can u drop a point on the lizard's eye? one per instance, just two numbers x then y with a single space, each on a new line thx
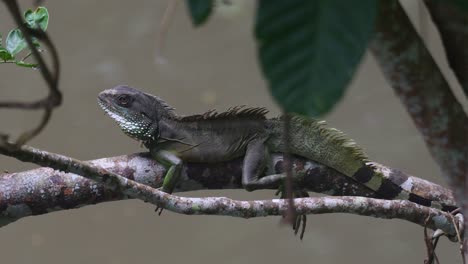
123 100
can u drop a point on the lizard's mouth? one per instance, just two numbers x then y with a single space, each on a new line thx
133 126
109 109
112 112
103 103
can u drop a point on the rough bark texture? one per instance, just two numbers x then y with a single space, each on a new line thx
452 23
45 190
416 79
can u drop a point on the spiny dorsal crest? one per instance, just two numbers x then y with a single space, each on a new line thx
165 106
333 135
236 112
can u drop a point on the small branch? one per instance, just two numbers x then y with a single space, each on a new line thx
291 215
416 79
54 98
43 190
110 180
452 23
24 105
430 246
124 188
50 77
386 209
164 28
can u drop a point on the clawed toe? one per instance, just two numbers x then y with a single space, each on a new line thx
300 221
160 209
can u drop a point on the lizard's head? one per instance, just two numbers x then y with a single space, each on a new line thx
133 110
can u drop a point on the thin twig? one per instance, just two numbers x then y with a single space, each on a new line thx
54 98
26 136
164 28
27 56
430 247
459 238
290 217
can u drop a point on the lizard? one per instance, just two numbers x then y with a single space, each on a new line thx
212 137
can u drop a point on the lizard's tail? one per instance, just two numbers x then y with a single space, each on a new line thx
313 140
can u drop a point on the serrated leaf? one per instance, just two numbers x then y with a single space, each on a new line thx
38 17
200 10
5 55
309 49
26 64
15 42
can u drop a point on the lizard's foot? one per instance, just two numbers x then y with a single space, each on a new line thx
158 209
298 219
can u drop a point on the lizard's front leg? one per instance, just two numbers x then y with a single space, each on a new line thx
173 165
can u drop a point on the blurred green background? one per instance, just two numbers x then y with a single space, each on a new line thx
105 43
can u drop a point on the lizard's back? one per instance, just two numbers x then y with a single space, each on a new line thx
213 137
311 139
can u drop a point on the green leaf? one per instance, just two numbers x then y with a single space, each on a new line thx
15 42
200 10
5 55
460 3
310 49
40 17
26 64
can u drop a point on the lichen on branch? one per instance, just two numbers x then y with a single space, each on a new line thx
114 186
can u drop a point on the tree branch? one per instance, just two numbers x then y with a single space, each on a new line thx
54 98
42 190
452 23
416 79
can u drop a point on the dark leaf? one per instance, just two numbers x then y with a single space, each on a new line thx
310 49
200 10
460 3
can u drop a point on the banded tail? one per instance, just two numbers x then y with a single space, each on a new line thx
311 139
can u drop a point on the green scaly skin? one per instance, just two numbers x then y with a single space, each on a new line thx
215 137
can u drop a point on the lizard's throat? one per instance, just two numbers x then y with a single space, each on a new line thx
138 131
135 126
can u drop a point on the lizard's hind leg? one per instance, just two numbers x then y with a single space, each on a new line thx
257 159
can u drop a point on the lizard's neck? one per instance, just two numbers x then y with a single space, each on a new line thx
161 109
165 129
169 126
